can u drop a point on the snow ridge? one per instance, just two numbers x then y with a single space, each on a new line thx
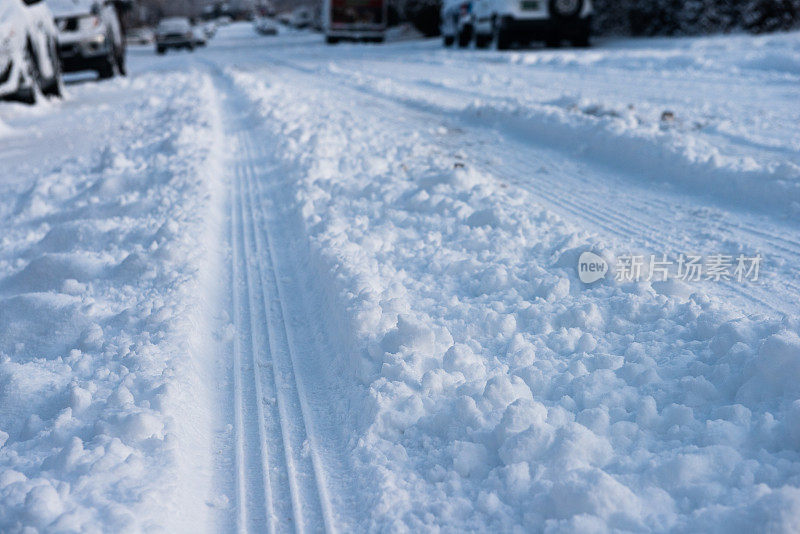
100 356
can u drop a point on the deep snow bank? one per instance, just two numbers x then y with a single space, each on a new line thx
502 393
101 383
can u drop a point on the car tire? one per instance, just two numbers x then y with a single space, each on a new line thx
465 37
161 50
331 40
108 67
448 40
106 70
502 41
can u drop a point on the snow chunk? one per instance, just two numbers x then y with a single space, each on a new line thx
775 369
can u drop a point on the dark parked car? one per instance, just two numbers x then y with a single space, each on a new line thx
174 32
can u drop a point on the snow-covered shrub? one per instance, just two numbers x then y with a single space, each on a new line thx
694 17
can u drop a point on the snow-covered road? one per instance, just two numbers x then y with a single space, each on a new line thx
274 285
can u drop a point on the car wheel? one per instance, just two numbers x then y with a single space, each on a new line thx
160 50
482 41
502 40
106 70
465 36
109 64
448 40
331 40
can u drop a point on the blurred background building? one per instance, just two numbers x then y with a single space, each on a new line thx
613 17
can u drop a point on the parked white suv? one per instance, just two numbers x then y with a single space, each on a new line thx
458 22
522 21
90 36
28 56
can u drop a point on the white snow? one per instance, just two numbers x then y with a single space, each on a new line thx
100 252
423 213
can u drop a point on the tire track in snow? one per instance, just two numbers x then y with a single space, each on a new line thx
253 484
280 476
282 340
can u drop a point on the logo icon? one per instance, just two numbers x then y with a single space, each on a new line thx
591 267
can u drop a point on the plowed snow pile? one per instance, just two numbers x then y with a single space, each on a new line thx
99 267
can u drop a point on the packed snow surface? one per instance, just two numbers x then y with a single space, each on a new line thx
274 284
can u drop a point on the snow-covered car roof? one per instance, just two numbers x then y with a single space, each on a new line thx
66 8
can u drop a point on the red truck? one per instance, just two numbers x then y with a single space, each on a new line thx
356 20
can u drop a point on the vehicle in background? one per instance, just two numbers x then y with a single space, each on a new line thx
29 61
506 22
266 26
360 20
199 35
458 22
140 36
210 29
301 18
174 32
224 20
90 36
